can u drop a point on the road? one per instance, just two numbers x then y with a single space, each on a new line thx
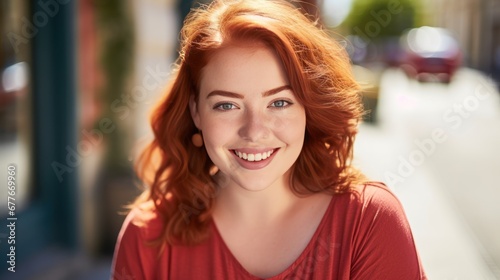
437 147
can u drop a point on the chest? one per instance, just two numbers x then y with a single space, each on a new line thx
268 250
265 253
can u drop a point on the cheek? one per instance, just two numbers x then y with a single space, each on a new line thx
280 124
290 126
214 139
216 133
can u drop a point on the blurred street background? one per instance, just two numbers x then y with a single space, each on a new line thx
78 80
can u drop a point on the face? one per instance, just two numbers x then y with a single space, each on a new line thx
253 126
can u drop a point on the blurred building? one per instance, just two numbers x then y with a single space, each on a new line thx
476 23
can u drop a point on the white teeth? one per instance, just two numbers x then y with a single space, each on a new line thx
254 157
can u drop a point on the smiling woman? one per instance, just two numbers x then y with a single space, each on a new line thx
246 111
249 175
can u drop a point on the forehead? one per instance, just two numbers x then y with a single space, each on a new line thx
240 66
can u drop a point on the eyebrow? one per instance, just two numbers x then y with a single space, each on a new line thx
240 96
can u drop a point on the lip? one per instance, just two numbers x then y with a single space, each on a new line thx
254 165
254 150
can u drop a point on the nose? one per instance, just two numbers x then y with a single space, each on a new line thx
255 126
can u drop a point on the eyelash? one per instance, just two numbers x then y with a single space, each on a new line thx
218 106
286 104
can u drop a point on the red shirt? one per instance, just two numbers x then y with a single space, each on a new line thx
364 234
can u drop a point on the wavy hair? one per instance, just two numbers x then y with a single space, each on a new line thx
179 175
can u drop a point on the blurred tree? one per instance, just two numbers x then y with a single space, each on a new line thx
379 19
379 24
115 184
116 57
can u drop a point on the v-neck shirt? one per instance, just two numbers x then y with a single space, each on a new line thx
364 234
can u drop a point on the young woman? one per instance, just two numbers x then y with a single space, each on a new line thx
249 175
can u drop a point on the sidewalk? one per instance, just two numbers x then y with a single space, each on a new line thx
447 248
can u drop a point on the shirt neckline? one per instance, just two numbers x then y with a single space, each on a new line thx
294 264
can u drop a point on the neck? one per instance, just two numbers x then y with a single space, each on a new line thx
265 206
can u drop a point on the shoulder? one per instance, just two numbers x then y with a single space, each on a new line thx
375 205
368 206
367 197
143 222
376 195
382 236
134 254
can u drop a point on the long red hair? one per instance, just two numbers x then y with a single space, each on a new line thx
178 175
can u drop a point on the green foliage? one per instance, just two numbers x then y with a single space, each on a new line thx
116 38
378 19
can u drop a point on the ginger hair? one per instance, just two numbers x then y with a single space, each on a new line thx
178 175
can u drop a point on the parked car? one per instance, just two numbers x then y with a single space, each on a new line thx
430 54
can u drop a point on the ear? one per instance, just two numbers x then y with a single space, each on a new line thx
193 108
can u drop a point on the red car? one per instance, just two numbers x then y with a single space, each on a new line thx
430 54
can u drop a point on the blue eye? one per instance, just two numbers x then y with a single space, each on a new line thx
281 104
224 106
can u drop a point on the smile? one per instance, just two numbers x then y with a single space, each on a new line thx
253 156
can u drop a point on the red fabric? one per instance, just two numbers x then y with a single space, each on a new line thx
363 235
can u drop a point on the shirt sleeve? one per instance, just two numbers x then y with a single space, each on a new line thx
384 247
133 257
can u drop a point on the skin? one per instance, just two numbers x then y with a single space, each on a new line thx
236 111
244 105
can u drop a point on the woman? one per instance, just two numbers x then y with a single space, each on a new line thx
249 174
